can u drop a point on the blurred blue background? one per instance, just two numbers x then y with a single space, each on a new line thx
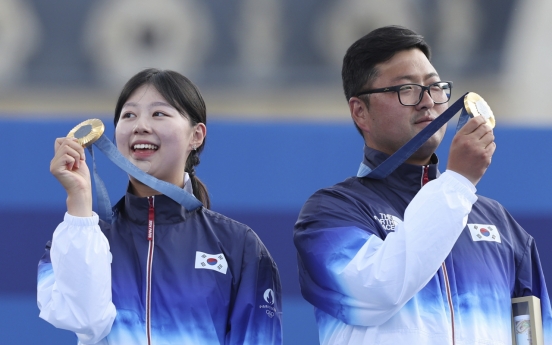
278 127
257 173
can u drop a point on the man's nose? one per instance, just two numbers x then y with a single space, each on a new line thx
426 101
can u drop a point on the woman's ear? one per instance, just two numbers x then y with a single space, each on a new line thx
200 131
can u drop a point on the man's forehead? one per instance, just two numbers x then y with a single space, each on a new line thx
408 66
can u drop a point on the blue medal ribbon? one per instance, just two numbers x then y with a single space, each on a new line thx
179 195
402 154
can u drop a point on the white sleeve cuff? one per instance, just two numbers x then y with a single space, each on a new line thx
460 178
81 221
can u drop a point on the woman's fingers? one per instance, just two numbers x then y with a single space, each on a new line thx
68 152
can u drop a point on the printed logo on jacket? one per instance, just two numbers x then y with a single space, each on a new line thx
269 299
484 232
215 262
388 221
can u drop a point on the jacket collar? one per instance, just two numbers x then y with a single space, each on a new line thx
167 211
406 176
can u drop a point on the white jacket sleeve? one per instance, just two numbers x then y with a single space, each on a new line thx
75 294
385 274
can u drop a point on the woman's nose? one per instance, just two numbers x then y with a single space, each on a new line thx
142 125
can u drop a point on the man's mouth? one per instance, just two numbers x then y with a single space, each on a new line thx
425 119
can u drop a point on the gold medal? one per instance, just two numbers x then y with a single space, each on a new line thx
476 106
87 132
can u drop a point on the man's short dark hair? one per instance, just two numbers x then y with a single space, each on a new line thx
376 47
380 45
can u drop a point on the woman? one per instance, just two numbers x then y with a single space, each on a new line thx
159 273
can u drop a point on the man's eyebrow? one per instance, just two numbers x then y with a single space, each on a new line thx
431 75
411 78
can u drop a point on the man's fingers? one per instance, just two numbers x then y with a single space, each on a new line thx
472 149
487 138
483 130
472 125
492 147
478 131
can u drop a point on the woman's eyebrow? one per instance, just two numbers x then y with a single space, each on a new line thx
151 105
163 104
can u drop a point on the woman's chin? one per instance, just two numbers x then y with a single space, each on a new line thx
143 165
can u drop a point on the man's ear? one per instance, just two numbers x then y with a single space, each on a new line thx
359 113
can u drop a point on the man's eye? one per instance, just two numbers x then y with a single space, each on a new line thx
407 88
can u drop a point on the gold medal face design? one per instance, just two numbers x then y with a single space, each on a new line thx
87 132
476 106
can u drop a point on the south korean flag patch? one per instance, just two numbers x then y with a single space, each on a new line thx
215 262
484 232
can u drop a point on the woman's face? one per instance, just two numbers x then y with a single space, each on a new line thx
155 137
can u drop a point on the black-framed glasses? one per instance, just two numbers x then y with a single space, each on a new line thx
412 94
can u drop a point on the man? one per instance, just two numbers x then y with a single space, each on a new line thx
416 257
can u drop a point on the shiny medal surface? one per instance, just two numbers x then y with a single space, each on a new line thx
87 132
475 105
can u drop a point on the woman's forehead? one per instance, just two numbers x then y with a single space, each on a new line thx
147 95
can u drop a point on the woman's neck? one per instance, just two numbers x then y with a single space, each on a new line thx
141 190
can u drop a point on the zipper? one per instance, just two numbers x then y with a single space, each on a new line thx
150 236
449 299
425 175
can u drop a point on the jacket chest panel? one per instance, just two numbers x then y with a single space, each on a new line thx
170 269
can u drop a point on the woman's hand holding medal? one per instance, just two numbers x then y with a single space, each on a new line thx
69 167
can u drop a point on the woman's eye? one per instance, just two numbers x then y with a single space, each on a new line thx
158 113
127 115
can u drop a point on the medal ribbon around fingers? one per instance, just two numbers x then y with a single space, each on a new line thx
89 133
472 105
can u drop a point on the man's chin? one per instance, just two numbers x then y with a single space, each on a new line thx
424 153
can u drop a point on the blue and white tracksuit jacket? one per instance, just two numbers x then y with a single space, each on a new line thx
185 278
391 262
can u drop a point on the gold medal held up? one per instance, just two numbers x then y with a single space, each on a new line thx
87 132
476 106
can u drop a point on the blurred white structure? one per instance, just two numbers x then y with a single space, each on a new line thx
528 70
347 21
452 24
457 23
263 56
259 35
19 38
126 36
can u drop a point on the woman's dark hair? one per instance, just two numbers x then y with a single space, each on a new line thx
380 45
185 97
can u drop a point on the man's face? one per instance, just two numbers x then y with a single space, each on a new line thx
386 123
